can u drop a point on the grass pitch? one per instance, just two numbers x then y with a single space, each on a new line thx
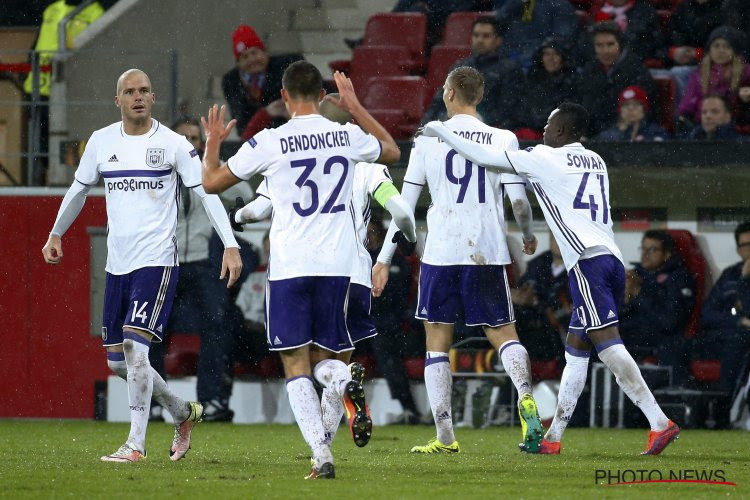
45 459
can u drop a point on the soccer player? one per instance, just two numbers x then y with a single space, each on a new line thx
143 164
371 182
572 186
308 165
465 253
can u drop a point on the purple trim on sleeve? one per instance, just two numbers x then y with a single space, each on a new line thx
432 361
577 352
607 343
508 344
298 376
126 334
115 356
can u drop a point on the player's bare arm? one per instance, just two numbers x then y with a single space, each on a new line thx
477 153
348 100
216 177
52 250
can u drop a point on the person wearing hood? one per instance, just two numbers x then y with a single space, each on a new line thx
551 80
722 72
659 297
613 69
632 122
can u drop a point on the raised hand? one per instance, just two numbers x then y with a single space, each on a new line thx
213 127
347 97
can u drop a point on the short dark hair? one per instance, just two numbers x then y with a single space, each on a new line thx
723 99
185 120
743 227
469 84
302 80
607 28
667 242
491 20
574 117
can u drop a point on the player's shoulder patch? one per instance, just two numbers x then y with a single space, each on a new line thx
529 149
193 153
252 142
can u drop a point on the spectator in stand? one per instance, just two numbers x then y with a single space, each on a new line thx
736 13
603 79
388 312
689 28
543 305
722 72
658 300
716 122
253 88
201 302
502 78
632 123
527 23
639 23
725 317
551 80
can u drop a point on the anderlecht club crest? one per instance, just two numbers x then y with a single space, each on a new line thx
154 157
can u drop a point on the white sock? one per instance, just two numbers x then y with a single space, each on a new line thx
176 406
630 380
333 375
439 383
571 386
140 387
516 362
306 407
332 409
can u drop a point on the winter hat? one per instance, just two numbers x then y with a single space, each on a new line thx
633 92
733 36
243 38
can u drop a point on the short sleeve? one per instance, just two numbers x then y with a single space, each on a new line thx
528 161
253 157
88 168
263 189
366 147
415 171
511 144
188 163
376 174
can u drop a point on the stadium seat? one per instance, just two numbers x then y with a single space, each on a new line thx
545 370
181 359
695 263
370 364
414 368
665 102
376 61
268 366
664 16
583 19
442 58
405 94
582 4
405 29
457 29
706 370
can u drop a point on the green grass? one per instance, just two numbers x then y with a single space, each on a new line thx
43 459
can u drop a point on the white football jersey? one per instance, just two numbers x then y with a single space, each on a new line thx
141 186
309 167
466 220
572 186
367 178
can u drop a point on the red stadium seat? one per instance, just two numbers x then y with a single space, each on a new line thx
389 96
545 370
404 29
583 19
665 102
664 16
457 29
376 61
695 263
706 370
414 368
442 58
181 359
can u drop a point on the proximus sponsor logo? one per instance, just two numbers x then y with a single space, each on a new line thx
133 185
